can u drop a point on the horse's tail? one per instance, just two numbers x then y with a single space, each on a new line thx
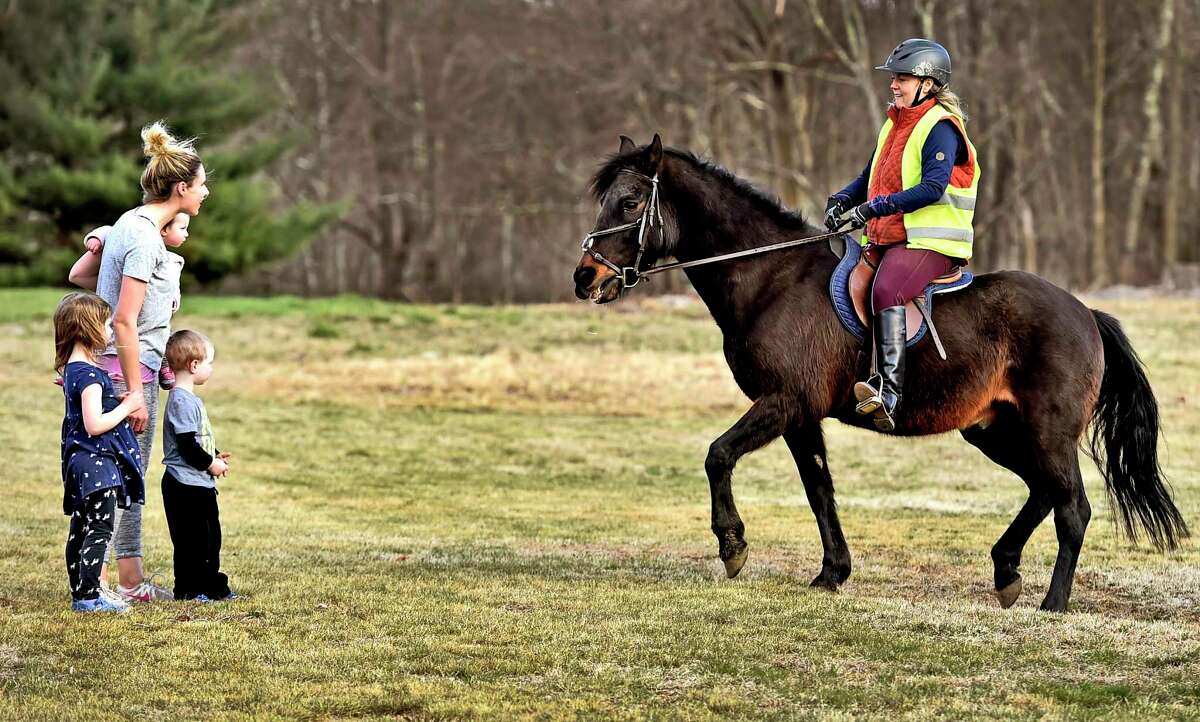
1124 442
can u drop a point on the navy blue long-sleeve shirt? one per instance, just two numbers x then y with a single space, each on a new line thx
935 174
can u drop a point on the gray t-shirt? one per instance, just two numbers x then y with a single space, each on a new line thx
186 414
135 248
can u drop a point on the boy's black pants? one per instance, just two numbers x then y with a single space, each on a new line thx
195 529
87 542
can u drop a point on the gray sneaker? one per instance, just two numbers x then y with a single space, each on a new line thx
147 591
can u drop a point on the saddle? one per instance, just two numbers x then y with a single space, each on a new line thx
850 292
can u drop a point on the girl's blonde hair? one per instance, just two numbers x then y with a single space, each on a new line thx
81 317
171 161
949 100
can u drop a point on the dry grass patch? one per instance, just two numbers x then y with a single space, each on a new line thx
601 383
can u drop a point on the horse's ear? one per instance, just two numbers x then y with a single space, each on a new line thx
627 145
656 153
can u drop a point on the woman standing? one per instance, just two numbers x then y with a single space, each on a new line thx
136 281
916 198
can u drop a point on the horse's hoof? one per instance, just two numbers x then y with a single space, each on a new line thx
823 582
1008 595
734 564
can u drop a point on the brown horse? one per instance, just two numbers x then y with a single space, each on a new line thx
1029 366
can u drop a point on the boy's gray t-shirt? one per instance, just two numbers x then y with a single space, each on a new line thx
135 248
186 414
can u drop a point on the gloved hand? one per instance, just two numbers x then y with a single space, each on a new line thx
834 209
874 208
860 215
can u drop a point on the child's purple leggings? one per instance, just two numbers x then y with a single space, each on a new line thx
904 273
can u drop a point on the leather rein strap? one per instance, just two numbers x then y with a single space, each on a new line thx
740 254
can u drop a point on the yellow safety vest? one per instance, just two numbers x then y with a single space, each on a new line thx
944 225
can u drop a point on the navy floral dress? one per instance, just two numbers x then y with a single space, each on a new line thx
111 460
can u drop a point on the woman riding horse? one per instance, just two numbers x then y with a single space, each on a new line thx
1030 367
920 183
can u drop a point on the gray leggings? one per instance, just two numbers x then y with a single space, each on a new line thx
127 534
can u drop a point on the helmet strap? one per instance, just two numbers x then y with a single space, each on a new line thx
933 90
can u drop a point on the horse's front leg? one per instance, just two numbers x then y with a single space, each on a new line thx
807 444
762 424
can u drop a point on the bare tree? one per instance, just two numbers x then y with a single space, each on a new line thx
1151 141
854 52
1099 244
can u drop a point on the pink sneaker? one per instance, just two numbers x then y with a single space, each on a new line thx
166 377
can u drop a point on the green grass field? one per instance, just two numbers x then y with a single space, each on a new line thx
496 513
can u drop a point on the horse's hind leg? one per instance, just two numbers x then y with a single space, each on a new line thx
1054 482
1006 553
762 424
1071 515
807 445
1006 443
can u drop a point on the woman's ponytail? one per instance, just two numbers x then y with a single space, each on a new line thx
949 100
171 161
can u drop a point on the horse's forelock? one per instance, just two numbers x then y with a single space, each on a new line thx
609 170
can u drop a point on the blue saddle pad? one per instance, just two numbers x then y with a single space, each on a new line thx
839 293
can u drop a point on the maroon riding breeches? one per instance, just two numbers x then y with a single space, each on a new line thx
904 273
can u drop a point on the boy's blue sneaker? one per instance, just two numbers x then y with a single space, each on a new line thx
99 604
207 599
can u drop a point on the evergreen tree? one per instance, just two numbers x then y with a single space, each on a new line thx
81 78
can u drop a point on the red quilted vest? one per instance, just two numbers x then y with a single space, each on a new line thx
886 172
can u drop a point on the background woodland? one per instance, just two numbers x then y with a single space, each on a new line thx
437 150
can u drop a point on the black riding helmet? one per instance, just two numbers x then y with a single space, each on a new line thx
920 57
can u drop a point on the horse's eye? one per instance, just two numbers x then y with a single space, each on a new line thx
629 204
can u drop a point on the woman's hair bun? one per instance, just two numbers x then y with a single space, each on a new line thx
156 139
171 161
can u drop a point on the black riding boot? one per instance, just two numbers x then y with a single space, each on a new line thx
880 395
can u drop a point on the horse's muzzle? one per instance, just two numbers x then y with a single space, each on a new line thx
583 281
595 282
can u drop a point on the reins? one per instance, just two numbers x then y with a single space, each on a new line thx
740 254
631 275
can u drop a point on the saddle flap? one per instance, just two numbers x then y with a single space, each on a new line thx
860 295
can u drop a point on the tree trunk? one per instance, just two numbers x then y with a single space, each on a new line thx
1023 218
313 267
1099 253
781 117
1151 142
924 11
1175 180
507 265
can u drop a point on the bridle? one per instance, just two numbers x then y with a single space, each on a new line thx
630 276
651 215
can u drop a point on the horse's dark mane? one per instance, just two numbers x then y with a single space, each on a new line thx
766 202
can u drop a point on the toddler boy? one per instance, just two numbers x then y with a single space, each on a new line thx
189 485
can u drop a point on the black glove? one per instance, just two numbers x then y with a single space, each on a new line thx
834 210
860 215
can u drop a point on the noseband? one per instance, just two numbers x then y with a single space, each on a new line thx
651 215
